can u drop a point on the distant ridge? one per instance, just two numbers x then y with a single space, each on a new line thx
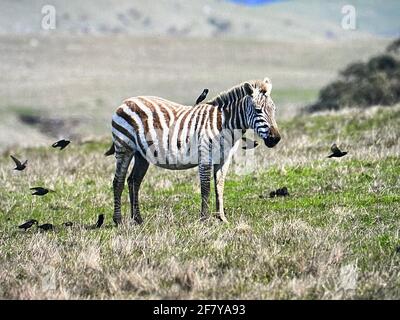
259 19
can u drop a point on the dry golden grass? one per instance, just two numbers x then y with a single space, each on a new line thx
334 237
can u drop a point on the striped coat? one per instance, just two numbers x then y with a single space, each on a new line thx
173 136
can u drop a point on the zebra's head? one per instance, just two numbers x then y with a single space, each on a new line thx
261 111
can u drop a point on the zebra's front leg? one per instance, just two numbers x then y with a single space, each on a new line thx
123 159
220 171
205 177
134 181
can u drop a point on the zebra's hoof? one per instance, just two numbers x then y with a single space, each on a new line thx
222 218
117 220
137 220
204 218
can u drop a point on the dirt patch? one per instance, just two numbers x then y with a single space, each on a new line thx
51 126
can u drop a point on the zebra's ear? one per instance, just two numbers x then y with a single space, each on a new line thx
248 89
268 82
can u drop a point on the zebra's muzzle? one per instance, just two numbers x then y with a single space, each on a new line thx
272 141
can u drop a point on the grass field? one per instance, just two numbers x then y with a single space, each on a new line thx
83 79
334 237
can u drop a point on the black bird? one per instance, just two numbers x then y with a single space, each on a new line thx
28 224
39 191
46 227
67 224
282 192
202 96
249 144
336 153
19 165
62 144
98 224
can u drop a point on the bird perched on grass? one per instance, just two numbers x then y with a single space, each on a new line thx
98 224
67 224
202 96
336 152
19 165
28 224
280 192
39 191
62 144
249 144
46 227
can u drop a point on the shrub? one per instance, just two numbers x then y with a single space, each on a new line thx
360 84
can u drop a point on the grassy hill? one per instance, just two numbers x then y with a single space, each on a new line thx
335 236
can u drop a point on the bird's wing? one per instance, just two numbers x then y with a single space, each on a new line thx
335 148
17 162
55 144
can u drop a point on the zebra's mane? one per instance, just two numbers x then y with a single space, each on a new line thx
233 94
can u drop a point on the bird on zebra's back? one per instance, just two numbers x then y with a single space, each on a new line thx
19 165
28 224
40 191
153 130
62 144
202 96
336 152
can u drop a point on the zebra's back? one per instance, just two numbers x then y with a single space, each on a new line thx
166 133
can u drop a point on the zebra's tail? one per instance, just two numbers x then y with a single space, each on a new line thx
110 151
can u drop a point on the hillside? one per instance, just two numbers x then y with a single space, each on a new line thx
334 237
303 19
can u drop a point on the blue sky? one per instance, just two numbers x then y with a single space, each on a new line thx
254 2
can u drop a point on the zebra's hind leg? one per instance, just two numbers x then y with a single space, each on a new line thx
205 177
123 158
134 181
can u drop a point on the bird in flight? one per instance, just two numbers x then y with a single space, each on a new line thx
46 227
19 165
336 152
249 144
28 224
39 191
202 96
62 144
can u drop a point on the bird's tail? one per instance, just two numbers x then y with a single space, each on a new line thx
110 151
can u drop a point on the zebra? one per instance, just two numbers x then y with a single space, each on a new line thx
152 130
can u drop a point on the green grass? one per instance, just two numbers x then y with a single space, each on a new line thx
334 237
